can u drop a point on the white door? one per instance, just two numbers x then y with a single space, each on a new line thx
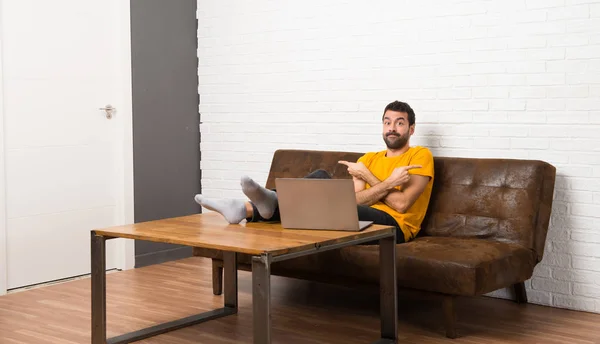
68 167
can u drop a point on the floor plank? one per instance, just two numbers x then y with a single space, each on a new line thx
303 312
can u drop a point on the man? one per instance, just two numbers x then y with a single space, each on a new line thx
392 187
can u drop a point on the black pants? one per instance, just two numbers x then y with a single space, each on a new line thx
365 213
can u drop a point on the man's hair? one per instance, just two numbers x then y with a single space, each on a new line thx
400 107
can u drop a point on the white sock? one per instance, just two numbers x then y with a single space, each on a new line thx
233 210
265 200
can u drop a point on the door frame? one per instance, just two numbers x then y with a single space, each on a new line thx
125 200
3 246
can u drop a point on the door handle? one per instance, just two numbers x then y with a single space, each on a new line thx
109 110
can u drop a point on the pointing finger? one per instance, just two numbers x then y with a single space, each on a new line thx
344 163
412 167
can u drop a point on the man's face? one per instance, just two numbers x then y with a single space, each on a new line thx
396 129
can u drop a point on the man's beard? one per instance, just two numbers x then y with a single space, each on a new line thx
395 142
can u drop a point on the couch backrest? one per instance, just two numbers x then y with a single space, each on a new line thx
497 199
299 163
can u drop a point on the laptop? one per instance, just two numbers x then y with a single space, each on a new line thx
322 204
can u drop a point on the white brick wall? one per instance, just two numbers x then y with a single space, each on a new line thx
515 79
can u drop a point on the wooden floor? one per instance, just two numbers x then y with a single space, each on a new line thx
303 312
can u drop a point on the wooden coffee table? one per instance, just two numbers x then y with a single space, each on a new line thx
266 242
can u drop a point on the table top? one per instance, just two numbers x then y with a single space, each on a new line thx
211 231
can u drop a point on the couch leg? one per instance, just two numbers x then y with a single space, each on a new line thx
217 277
520 292
450 316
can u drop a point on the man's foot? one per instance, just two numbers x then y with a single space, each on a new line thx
233 210
265 200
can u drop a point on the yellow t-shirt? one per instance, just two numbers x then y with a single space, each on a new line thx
382 166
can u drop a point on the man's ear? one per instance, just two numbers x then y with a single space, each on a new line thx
412 129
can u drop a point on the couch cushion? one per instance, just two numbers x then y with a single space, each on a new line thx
463 266
446 265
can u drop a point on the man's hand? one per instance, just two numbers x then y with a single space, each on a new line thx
400 175
357 169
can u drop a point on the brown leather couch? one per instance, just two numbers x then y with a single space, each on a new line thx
485 229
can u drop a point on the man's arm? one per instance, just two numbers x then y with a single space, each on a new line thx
361 176
359 184
369 178
373 194
402 200
412 185
384 191
395 198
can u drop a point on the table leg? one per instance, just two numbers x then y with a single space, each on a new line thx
98 259
99 300
230 280
261 298
388 290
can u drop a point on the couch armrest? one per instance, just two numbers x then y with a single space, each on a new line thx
544 211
